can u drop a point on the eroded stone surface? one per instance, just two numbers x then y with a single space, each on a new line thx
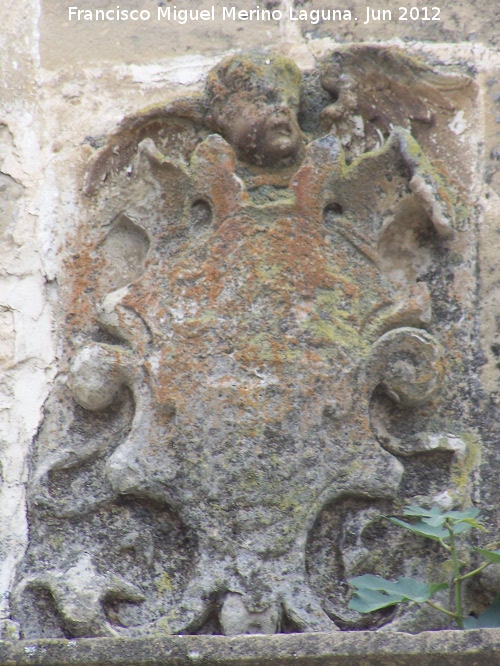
455 648
246 401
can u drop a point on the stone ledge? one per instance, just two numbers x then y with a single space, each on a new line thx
443 648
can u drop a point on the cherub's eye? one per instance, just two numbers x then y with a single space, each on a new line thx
270 94
250 88
264 95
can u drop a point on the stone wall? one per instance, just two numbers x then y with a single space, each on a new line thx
68 83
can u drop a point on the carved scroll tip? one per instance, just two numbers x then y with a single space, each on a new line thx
443 222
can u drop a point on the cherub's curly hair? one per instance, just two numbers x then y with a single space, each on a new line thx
250 71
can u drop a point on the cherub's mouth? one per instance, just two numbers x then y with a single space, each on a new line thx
280 126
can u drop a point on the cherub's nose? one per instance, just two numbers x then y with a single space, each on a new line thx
282 107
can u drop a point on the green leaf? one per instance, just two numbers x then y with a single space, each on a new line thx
373 592
434 523
489 555
405 587
462 526
471 522
367 601
437 587
421 528
436 516
463 515
414 510
490 618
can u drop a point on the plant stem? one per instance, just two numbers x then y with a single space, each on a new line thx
444 545
441 609
457 581
473 573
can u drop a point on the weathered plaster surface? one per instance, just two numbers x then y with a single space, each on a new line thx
27 343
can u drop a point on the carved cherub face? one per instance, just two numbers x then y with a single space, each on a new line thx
254 101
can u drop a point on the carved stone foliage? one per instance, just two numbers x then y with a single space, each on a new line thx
268 325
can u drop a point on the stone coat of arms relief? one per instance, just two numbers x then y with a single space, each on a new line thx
268 345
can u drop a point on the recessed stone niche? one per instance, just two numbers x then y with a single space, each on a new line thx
269 328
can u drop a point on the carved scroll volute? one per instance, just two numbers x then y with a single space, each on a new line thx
409 364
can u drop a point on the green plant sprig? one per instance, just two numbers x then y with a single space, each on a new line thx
373 593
